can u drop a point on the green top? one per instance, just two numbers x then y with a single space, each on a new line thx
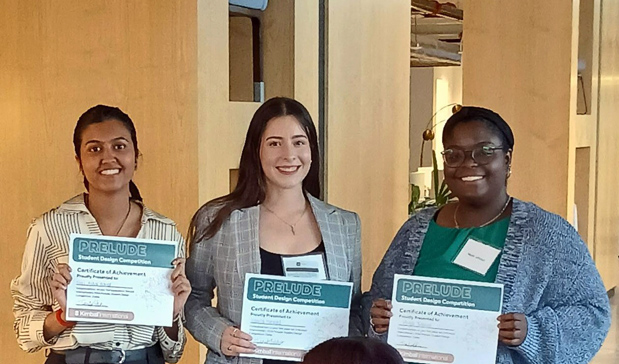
441 246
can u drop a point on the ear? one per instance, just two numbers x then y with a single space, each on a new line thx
138 155
508 157
79 164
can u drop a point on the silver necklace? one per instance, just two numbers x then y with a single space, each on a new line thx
487 222
292 226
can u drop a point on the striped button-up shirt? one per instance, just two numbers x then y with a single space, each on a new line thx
46 246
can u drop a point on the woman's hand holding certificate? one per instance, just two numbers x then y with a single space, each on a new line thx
180 286
235 342
380 314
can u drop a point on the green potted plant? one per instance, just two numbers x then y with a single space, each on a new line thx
441 196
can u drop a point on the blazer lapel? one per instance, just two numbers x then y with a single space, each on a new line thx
245 230
334 237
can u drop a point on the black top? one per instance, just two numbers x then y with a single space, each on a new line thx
272 264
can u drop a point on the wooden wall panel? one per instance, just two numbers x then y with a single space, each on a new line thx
517 60
368 117
306 54
241 84
279 46
219 119
607 209
56 61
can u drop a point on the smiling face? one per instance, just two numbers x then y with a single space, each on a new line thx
472 182
285 153
107 157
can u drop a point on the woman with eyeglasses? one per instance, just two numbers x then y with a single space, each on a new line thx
555 307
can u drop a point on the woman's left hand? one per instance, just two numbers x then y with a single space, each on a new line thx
512 328
180 286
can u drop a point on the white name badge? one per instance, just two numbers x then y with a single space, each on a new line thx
310 266
477 256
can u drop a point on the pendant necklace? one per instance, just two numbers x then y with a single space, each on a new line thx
292 226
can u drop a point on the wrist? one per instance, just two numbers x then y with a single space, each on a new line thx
61 319
179 317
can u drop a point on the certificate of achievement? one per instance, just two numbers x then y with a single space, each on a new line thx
120 280
445 321
286 317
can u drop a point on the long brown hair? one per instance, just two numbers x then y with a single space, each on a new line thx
250 189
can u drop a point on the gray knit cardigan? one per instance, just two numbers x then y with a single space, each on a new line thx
548 275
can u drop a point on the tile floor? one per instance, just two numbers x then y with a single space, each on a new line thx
609 353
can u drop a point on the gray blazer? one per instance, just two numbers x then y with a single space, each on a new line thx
222 262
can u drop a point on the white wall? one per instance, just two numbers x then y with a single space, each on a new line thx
431 89
447 90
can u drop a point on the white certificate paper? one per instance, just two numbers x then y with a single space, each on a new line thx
120 280
286 317
445 321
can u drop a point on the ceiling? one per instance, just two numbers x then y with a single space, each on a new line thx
436 32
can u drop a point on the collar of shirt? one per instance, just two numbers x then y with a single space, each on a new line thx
77 205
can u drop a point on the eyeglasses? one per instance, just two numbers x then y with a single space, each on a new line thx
481 155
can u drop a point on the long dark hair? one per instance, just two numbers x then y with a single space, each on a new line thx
99 114
250 188
353 350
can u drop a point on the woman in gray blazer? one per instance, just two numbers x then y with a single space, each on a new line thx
274 211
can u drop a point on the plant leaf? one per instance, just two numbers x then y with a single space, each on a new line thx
415 195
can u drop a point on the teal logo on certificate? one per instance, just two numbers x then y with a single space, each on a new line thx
439 320
120 280
288 316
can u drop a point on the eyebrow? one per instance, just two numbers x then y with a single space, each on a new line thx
293 137
474 145
113 140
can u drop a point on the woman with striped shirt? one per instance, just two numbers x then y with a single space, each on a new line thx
106 150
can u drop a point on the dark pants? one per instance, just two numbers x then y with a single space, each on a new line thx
153 357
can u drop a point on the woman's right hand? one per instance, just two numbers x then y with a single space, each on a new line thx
380 314
59 282
235 341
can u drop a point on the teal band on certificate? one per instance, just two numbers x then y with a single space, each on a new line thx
298 292
100 250
449 295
